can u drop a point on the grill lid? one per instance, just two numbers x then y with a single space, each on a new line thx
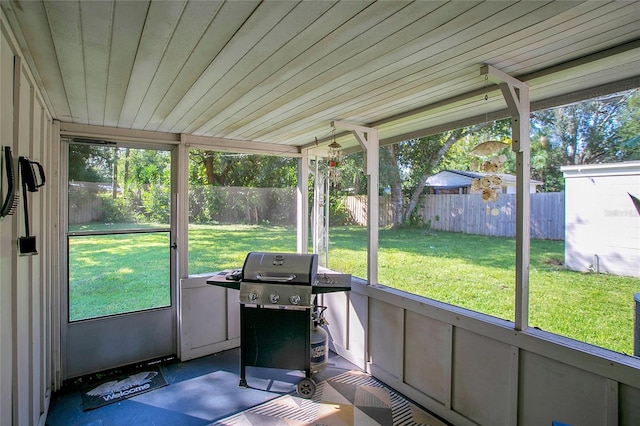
283 268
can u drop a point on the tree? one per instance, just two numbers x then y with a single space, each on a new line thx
231 169
90 163
630 128
600 130
406 166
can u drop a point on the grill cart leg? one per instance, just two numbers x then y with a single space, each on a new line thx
243 343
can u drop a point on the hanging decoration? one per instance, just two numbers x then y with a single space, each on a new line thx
334 160
490 162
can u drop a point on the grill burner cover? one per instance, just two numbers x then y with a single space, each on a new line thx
278 279
293 268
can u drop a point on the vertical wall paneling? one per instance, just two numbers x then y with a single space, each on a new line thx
41 156
7 230
358 320
26 357
612 402
478 365
54 224
629 409
385 343
22 284
205 318
512 404
233 315
337 318
427 356
556 391
35 215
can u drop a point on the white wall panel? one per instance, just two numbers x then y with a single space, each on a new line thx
205 310
554 391
481 378
233 315
337 317
492 374
358 320
427 356
24 285
7 230
629 406
386 340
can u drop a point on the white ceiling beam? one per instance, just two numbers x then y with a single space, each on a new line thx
236 145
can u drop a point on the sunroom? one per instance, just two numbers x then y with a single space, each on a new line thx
267 87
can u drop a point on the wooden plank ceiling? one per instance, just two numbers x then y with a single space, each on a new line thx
278 72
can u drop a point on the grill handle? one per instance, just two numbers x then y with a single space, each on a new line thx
261 277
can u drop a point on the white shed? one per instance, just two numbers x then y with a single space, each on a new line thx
459 181
602 226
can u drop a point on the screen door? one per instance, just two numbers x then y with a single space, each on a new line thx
120 294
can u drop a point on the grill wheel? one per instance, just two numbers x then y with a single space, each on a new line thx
306 388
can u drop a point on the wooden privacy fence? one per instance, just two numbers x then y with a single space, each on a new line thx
467 213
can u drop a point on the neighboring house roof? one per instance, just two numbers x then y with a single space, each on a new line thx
450 179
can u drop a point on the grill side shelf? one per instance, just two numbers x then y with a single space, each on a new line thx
222 279
329 288
331 282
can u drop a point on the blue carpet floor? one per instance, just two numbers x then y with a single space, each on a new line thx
199 392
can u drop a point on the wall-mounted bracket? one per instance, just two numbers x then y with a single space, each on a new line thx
516 95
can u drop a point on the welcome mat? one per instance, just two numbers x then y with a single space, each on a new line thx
351 398
115 388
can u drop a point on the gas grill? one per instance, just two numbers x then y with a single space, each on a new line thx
279 314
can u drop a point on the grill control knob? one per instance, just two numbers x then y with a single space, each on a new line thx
295 299
252 297
274 297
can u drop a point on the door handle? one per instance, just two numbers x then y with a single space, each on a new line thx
174 246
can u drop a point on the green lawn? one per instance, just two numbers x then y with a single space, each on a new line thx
478 273
113 274
471 271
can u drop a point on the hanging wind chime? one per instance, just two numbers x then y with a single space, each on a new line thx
490 163
334 160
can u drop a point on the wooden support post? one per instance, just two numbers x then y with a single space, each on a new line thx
516 95
302 204
368 139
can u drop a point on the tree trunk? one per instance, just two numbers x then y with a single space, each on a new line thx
114 178
453 137
208 167
397 200
125 185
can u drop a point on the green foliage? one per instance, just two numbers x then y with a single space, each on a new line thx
353 179
339 214
255 171
90 163
220 204
599 130
115 210
156 201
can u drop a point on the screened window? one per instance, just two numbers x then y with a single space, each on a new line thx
239 203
